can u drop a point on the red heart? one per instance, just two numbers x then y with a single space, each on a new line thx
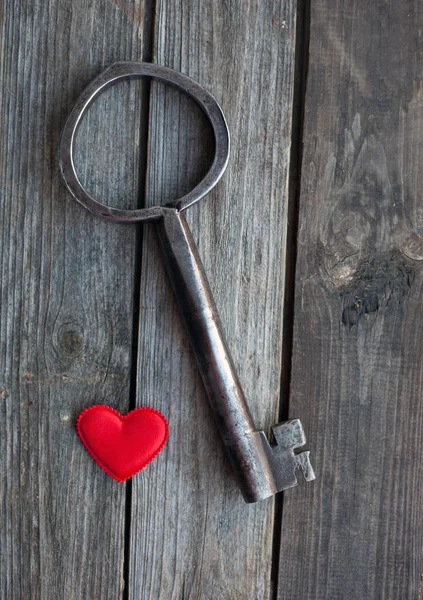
122 445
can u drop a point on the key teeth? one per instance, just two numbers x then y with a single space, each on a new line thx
289 434
302 462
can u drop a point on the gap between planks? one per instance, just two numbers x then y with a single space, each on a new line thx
302 39
147 56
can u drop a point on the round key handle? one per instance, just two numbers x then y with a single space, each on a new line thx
111 76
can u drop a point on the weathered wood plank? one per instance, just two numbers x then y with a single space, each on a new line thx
192 536
66 297
358 342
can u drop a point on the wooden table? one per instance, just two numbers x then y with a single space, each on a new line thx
313 243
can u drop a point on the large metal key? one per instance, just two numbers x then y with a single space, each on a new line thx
261 469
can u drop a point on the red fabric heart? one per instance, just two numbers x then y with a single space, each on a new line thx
122 445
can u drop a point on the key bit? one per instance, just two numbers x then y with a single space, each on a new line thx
275 464
289 436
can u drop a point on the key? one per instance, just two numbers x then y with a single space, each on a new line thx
262 469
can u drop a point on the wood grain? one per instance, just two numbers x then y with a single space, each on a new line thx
357 361
192 536
66 297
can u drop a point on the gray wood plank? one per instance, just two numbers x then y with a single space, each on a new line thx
192 536
357 360
66 297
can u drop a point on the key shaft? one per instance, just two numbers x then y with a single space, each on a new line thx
261 470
